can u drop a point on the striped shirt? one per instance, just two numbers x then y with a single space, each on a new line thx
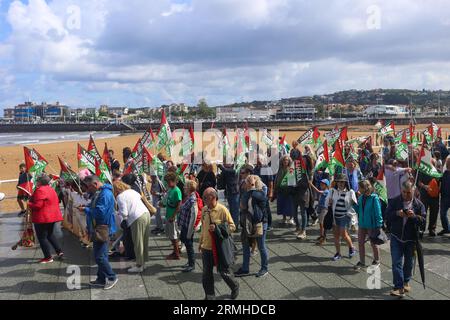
340 210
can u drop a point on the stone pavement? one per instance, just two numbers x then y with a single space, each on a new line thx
298 270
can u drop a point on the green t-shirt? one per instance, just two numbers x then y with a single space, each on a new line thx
174 196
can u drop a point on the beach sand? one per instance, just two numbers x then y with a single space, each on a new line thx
12 156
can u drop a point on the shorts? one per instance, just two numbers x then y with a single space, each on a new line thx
322 213
343 222
172 231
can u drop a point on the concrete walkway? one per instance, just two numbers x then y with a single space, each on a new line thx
298 270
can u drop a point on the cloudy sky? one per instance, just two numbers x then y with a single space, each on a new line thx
146 53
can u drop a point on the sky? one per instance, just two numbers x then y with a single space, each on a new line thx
147 53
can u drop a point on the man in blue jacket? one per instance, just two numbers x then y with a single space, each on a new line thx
406 214
101 212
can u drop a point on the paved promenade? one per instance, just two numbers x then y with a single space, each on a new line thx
298 270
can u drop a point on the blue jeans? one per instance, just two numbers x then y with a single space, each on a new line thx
101 258
303 214
445 205
261 241
233 204
401 270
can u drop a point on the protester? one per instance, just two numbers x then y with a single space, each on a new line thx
283 192
429 196
406 214
101 225
206 178
24 182
231 179
156 190
445 199
322 208
264 171
370 219
214 214
172 202
342 200
134 212
115 164
302 197
186 222
254 201
295 153
45 213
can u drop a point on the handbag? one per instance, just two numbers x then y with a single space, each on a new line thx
151 209
377 236
101 233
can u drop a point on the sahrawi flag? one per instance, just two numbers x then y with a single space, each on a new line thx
432 133
424 163
310 137
380 185
85 159
337 159
66 173
267 138
35 165
152 163
187 144
165 139
401 151
240 151
284 147
148 139
324 158
388 129
102 171
336 134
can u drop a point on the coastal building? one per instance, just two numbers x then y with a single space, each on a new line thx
29 111
386 110
117 111
292 111
244 113
8 114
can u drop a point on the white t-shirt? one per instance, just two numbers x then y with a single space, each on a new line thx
131 206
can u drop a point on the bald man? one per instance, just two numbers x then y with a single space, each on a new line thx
213 214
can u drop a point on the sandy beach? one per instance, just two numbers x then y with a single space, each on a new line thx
12 156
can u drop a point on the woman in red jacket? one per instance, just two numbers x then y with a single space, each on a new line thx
45 213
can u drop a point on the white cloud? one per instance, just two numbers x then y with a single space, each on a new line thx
227 49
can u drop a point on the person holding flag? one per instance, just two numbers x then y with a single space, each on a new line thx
45 213
24 188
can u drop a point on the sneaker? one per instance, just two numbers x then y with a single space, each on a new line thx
262 273
188 269
398 293
96 283
432 233
337 257
301 235
46 260
443 232
375 263
351 252
60 255
291 222
183 248
359 266
406 287
110 284
235 292
136 269
241 273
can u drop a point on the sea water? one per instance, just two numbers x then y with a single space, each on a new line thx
10 139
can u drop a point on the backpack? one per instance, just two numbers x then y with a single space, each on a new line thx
198 220
258 209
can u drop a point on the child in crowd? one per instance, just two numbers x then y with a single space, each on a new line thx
322 209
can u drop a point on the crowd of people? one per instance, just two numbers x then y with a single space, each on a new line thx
115 219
